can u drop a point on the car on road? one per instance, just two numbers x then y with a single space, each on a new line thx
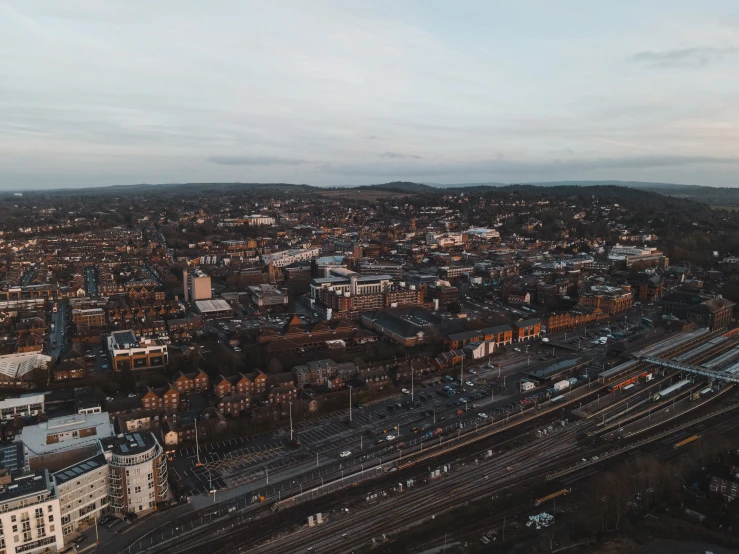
472 371
469 384
517 350
104 366
390 438
462 400
482 415
346 454
405 391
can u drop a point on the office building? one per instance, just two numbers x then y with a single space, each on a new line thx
138 472
267 295
15 369
196 284
128 352
63 441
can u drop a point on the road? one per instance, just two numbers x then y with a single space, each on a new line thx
91 286
59 336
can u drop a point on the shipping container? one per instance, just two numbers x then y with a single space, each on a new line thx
669 390
561 385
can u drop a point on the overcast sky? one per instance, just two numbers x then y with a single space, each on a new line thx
101 92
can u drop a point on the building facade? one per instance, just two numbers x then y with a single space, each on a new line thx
82 490
138 472
30 517
128 352
196 284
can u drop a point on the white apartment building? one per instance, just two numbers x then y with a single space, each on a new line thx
287 257
30 516
138 472
82 490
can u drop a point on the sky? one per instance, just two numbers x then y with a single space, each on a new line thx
337 92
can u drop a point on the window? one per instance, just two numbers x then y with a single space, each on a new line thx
51 528
51 517
13 519
15 528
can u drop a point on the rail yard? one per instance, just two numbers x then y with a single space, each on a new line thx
552 440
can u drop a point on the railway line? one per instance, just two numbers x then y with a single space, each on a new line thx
474 476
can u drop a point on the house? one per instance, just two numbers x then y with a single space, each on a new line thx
189 382
526 329
166 398
315 373
234 404
374 377
68 370
727 488
519 298
449 359
250 384
282 395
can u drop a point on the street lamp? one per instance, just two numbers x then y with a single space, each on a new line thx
350 403
291 421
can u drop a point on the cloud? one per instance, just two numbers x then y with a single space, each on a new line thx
254 160
698 56
399 156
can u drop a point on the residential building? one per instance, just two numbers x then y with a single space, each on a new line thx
138 472
89 318
289 257
27 405
192 382
30 516
128 352
197 285
82 490
526 329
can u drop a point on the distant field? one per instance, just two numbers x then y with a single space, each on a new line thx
725 207
367 195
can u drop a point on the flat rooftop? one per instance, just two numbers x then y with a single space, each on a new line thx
123 339
25 485
129 444
74 471
50 436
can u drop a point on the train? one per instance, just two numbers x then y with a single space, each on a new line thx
686 441
630 381
669 390
540 501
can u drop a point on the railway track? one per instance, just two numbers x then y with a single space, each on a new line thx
426 500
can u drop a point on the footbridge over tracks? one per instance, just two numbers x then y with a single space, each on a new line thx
678 366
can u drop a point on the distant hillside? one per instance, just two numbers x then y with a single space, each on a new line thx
714 196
